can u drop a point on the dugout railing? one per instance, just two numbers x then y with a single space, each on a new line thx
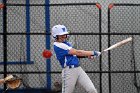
25 32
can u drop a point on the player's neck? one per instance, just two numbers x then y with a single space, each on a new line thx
60 40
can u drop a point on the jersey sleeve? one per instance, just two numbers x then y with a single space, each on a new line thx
61 48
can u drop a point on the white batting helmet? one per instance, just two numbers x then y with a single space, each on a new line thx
59 30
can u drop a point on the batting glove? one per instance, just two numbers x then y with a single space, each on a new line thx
96 53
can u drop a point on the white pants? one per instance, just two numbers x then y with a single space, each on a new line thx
71 76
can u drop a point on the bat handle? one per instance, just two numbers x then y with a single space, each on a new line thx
102 52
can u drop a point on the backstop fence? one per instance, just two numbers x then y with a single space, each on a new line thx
25 33
124 22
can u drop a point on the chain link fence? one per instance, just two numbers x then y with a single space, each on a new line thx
26 39
1 37
124 22
115 72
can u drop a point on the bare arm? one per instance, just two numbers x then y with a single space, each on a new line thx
80 52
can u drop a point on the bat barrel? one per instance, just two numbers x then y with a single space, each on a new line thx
119 44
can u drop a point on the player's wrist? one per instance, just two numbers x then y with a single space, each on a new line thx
96 53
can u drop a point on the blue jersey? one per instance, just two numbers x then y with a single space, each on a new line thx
63 56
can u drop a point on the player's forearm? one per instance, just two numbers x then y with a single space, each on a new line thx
81 52
84 53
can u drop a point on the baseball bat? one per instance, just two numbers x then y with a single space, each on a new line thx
118 44
123 42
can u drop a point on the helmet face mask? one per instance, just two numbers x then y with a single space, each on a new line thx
59 30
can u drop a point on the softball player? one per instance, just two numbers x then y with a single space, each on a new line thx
72 73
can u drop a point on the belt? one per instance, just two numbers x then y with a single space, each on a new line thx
72 66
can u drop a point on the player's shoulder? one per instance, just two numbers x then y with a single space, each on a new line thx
61 45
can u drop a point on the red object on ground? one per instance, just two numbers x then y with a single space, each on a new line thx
47 53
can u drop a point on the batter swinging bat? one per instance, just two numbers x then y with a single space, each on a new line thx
118 44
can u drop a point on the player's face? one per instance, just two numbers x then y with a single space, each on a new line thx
62 38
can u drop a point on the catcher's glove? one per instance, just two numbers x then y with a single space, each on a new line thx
13 81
